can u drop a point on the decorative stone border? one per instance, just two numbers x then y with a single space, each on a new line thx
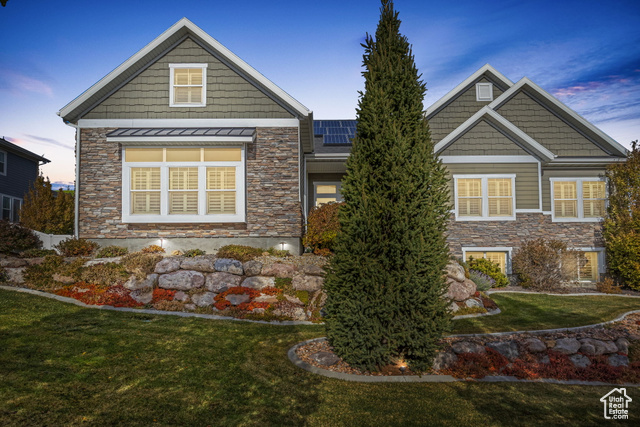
293 357
578 294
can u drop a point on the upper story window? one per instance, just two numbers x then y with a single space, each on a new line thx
188 85
484 91
183 184
578 199
484 197
3 163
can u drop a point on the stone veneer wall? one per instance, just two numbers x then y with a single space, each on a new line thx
527 226
272 188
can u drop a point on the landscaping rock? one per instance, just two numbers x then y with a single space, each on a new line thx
580 360
63 279
623 345
302 282
567 346
279 270
312 270
508 349
460 291
220 282
198 263
287 309
610 347
453 307
267 298
325 358
237 299
294 300
204 299
181 296
252 268
142 295
600 347
258 282
533 345
100 261
259 310
227 265
455 271
618 360
134 284
182 280
15 275
168 265
588 349
472 302
443 360
467 347
190 307
13 262
544 360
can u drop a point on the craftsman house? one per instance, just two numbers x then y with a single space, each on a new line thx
186 145
19 169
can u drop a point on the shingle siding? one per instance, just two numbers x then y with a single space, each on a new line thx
547 128
458 111
229 95
483 140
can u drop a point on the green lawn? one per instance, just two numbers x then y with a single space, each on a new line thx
64 365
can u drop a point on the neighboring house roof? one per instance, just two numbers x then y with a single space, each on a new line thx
15 149
162 44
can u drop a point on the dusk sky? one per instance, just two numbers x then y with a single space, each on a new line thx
586 53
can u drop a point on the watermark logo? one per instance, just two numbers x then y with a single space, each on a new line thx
616 404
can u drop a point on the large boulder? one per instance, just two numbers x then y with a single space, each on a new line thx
534 345
258 282
460 291
455 271
134 283
198 263
13 262
142 295
467 347
237 299
279 270
252 268
182 280
220 282
508 349
168 265
580 360
227 265
15 275
596 347
567 346
444 359
303 282
204 299
312 270
325 358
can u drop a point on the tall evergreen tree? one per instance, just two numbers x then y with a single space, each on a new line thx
46 211
385 284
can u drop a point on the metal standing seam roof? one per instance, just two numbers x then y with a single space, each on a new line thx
163 132
335 132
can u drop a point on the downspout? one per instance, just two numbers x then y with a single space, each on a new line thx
76 220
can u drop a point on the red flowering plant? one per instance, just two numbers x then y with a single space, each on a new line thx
221 302
89 293
162 295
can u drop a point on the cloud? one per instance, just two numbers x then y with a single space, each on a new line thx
49 141
19 83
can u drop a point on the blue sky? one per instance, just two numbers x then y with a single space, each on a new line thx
586 53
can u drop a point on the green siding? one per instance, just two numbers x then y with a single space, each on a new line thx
483 140
229 95
546 128
563 173
458 111
526 179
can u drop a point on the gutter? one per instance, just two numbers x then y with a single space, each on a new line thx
76 220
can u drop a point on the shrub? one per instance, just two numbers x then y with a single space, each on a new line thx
193 253
111 251
153 249
47 211
15 238
76 247
489 268
140 263
108 274
239 252
165 305
40 276
608 286
322 226
37 253
3 275
482 280
281 253
539 263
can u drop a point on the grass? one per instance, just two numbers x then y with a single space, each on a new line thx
65 365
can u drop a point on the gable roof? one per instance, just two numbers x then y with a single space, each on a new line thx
163 43
16 149
486 70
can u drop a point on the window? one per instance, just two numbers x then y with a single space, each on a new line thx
3 163
488 197
584 266
10 208
578 199
498 256
326 192
204 184
188 85
484 92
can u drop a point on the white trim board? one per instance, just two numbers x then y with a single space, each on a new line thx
195 123
488 159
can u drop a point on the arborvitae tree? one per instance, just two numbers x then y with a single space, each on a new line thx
47 212
386 283
622 222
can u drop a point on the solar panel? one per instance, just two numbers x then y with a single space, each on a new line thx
335 132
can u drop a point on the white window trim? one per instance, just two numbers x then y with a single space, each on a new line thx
506 249
3 172
13 200
202 216
316 194
580 208
485 198
172 67
481 85
602 267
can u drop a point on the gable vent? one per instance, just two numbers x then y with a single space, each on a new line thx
484 92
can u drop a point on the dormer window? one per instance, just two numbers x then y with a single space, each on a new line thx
188 85
484 92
